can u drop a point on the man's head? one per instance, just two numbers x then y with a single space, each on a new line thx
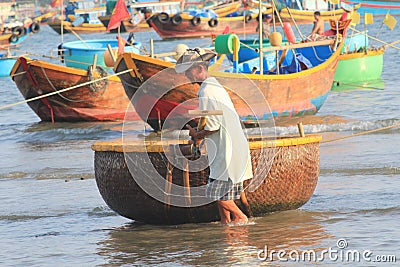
194 63
317 14
267 17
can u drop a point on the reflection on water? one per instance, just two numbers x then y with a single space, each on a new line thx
214 244
378 84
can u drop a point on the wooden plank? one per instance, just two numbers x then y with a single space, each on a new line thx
197 112
167 54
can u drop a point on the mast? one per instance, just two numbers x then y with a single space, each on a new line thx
260 30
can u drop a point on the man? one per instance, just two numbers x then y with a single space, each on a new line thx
266 31
318 28
227 147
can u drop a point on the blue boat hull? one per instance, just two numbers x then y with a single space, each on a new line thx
80 54
6 65
378 8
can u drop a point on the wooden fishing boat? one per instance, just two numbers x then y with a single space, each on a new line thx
256 4
360 66
140 12
307 16
123 168
8 42
292 94
377 8
103 100
225 9
185 26
127 25
304 12
358 62
138 21
44 18
7 38
81 17
68 27
17 34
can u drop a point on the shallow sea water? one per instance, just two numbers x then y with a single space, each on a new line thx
51 212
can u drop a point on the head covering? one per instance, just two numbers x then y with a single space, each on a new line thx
266 16
192 56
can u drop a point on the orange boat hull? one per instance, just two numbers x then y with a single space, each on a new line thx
101 101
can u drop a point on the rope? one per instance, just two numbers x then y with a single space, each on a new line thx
63 90
80 38
144 51
20 73
249 47
55 89
361 133
316 55
40 55
338 83
277 13
376 39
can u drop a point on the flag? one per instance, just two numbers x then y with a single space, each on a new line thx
355 18
390 21
368 18
120 13
121 45
55 3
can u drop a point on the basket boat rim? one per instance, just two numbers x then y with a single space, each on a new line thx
255 142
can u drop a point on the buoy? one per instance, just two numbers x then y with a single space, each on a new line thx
275 38
213 23
224 43
176 19
179 49
163 17
13 38
287 28
19 31
108 58
195 20
35 27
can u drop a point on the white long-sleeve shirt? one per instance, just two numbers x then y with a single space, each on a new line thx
227 148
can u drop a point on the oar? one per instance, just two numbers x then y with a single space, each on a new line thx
376 39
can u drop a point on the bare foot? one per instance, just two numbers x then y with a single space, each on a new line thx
242 219
225 222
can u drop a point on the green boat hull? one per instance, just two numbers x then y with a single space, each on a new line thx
359 67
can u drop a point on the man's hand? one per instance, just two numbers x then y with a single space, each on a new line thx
195 135
198 135
192 131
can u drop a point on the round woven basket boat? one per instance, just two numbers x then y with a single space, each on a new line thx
289 184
